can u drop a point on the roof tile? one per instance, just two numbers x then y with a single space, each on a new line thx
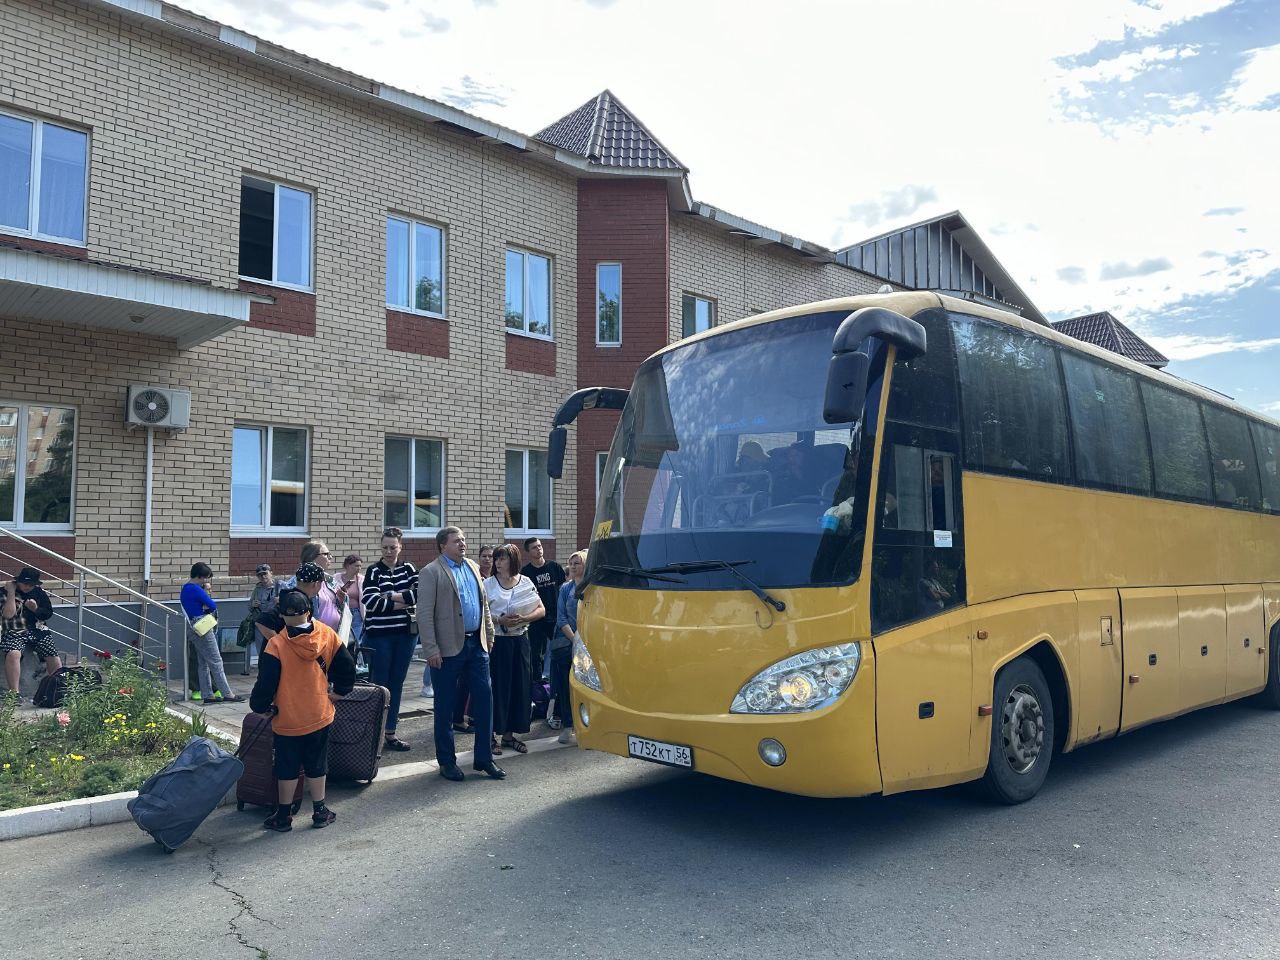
609 135
1104 330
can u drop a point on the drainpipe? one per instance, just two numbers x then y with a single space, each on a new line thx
146 536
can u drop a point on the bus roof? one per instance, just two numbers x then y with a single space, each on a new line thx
909 303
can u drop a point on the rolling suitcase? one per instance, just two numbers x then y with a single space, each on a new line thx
174 801
359 725
258 785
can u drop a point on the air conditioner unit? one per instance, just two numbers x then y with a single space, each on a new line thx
162 407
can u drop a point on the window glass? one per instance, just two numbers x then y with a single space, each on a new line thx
293 240
1266 440
1107 425
539 492
288 477
257 228
609 303
1178 444
515 490
8 461
428 483
397 272
15 172
63 155
538 299
697 314
515 290
923 389
1235 472
246 477
50 437
1013 409
395 482
428 275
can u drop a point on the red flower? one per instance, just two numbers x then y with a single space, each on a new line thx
161 665
126 691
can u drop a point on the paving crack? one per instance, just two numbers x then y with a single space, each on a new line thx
239 899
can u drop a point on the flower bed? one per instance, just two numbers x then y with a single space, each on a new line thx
105 739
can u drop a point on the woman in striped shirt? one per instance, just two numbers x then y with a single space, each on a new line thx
390 595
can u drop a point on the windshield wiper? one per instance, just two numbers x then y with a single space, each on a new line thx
651 574
693 566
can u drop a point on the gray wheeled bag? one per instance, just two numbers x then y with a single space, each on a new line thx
176 800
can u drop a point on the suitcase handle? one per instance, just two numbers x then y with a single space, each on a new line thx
240 750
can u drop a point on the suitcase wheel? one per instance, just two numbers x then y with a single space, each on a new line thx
240 806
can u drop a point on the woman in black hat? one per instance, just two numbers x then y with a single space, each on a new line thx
24 611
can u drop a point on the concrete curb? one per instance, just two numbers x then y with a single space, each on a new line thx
113 807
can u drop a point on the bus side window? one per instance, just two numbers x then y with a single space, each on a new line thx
919 490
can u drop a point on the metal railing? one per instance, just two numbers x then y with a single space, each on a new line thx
96 613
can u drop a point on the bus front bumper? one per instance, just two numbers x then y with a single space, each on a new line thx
829 752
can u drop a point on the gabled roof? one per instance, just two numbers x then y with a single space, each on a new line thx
885 255
609 135
1104 330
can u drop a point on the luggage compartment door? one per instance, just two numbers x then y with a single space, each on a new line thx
1098 691
1246 640
1149 636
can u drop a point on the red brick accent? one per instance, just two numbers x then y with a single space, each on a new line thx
411 333
246 553
421 551
293 311
627 222
14 556
44 246
531 355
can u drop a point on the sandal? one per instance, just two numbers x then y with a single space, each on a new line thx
464 727
395 743
495 748
511 743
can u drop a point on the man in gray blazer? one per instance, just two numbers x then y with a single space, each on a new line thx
456 633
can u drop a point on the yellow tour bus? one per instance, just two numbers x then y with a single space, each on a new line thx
900 541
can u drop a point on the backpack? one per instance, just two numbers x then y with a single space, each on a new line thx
52 691
541 699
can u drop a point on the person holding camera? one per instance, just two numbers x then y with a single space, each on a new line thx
390 596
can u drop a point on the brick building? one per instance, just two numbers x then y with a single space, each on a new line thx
375 301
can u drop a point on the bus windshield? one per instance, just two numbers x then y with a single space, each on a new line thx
722 454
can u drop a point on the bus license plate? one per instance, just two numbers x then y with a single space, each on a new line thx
671 754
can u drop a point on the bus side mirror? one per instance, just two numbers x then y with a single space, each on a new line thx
846 387
556 441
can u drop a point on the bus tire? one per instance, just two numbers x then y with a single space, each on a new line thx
1022 733
1270 695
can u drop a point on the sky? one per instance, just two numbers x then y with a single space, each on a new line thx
1115 155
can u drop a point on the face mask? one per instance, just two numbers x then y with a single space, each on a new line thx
299 631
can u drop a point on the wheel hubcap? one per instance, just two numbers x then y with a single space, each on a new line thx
1022 728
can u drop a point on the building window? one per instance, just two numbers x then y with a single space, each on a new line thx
415 267
528 493
37 466
609 304
275 233
528 307
698 314
43 179
602 457
269 479
417 465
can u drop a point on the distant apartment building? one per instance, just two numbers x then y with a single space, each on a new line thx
366 304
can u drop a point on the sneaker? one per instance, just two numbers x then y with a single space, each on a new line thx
279 826
427 693
554 723
566 736
195 695
323 817
217 697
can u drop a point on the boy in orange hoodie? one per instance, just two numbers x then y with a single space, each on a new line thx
294 672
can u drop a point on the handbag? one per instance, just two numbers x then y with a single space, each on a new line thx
202 625
413 620
247 633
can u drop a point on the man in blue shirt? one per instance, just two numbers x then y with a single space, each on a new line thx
456 633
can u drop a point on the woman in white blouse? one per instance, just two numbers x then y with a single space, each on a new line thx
514 604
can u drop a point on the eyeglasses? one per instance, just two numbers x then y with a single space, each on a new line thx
325 553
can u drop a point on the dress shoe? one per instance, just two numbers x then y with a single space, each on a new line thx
491 769
451 772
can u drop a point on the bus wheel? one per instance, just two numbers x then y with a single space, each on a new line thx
1021 733
1270 695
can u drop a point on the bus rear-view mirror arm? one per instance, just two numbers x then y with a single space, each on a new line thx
851 351
588 398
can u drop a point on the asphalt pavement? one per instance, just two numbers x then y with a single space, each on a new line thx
1163 843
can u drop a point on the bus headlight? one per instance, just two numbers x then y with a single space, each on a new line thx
806 681
584 668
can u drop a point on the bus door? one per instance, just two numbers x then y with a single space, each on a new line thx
1097 713
1149 634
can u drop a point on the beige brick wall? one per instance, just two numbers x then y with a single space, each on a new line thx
173 126
748 278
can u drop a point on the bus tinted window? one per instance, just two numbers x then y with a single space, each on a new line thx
1266 440
1014 413
1107 427
1178 444
923 390
1235 473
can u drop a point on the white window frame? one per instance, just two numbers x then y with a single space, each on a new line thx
20 467
444 266
524 280
275 235
33 200
711 303
410 529
264 483
608 343
551 499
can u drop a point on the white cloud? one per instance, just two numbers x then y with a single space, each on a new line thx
1270 407
1124 66
1258 80
1193 347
